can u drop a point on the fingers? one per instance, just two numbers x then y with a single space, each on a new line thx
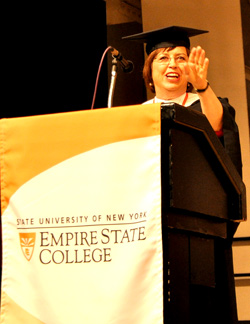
198 57
206 63
196 68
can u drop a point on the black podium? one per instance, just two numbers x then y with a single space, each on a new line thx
203 201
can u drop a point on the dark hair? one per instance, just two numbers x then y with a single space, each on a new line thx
147 69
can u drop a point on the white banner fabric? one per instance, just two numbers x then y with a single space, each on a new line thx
82 240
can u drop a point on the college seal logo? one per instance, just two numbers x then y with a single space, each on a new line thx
27 242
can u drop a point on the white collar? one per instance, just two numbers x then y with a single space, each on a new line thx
178 100
192 97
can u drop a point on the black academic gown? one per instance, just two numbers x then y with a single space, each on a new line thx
230 139
224 300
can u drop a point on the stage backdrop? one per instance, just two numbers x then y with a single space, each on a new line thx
81 217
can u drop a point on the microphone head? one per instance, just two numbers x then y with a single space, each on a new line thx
129 67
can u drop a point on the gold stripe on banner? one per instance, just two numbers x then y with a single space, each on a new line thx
53 135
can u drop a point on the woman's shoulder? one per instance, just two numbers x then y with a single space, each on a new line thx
192 97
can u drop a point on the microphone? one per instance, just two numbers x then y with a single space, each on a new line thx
127 66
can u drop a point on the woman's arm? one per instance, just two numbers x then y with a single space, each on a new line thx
196 73
212 108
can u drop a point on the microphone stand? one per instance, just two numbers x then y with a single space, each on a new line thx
112 82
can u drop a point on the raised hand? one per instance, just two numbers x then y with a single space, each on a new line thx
196 68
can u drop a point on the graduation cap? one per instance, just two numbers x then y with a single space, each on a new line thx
166 37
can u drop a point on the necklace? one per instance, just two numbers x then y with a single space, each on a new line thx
184 100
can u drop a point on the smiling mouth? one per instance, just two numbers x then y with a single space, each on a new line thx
172 76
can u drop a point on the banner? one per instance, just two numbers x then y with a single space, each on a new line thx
81 217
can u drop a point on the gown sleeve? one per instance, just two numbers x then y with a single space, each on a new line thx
230 138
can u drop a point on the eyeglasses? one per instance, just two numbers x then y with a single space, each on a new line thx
166 59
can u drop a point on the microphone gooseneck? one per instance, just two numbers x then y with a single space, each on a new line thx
127 66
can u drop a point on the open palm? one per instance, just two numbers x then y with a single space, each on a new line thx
196 68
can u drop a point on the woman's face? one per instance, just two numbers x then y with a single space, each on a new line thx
168 72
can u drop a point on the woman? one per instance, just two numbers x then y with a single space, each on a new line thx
169 73
172 71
